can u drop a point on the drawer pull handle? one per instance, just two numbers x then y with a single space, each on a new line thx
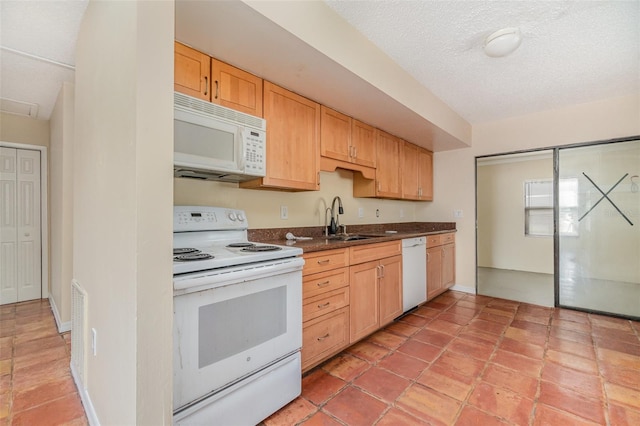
324 262
324 305
324 283
321 338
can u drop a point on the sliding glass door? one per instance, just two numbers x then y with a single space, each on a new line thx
515 227
598 224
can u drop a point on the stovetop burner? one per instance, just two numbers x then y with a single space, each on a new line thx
193 256
184 250
239 245
255 248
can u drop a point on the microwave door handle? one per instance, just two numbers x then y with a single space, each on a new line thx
242 154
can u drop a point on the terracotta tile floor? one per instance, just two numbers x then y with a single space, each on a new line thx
36 387
460 359
474 360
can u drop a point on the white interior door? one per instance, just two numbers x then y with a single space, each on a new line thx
20 229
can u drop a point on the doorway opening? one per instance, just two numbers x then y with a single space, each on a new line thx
515 227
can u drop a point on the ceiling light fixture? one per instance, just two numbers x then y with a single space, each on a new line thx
502 42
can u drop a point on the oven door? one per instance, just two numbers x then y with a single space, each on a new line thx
229 325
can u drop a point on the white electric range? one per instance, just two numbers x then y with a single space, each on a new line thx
237 320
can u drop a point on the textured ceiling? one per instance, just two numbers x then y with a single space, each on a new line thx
572 51
37 50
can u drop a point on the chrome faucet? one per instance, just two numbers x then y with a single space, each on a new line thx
326 225
334 226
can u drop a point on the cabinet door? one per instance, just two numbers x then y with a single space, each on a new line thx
191 72
448 265
388 171
235 88
434 271
363 300
390 289
335 134
363 141
425 175
410 190
293 135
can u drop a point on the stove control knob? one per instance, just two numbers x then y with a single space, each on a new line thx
240 217
232 216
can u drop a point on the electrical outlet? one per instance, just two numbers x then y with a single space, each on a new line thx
457 213
377 212
94 341
360 212
284 212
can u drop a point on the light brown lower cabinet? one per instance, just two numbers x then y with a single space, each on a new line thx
347 295
325 306
375 287
441 263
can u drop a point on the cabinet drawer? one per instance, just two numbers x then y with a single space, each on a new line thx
325 261
324 303
323 282
448 238
368 252
433 240
323 336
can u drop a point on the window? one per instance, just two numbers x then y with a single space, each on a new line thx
538 207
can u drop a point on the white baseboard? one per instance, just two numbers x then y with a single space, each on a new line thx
92 417
63 327
464 289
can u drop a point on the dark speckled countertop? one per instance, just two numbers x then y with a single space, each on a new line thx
320 242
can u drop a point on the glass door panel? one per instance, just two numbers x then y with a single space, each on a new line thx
514 196
599 228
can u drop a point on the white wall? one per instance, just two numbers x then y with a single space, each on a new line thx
61 200
20 129
454 171
501 240
304 208
122 198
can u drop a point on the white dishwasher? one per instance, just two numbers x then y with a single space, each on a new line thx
414 272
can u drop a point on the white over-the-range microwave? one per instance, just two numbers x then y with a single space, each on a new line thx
212 142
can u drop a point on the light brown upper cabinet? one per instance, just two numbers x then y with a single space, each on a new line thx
235 88
293 142
425 175
417 173
344 139
192 72
387 183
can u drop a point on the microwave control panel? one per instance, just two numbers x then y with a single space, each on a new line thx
255 152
